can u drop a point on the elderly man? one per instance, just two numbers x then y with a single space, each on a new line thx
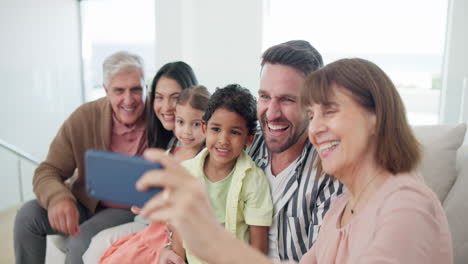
115 123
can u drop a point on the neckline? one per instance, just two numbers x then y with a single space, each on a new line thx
375 197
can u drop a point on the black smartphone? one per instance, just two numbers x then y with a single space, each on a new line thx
112 177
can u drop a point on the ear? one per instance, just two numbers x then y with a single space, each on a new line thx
249 140
105 89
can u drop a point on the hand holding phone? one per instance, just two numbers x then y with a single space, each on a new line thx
112 177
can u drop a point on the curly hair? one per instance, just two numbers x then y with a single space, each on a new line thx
237 99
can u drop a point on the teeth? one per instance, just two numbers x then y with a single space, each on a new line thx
168 116
128 109
277 127
329 145
222 150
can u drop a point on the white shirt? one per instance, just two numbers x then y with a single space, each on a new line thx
277 183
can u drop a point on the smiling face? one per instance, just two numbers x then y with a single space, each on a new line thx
126 94
226 135
166 93
282 121
342 131
188 126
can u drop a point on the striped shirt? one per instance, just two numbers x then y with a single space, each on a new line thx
305 200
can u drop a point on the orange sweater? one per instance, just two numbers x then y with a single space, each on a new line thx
89 126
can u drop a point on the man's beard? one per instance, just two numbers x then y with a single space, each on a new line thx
290 140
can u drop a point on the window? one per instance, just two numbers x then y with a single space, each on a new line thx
405 38
109 26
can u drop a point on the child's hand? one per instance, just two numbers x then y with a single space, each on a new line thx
136 210
167 256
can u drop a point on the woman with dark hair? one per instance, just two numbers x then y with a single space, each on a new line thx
359 128
167 84
165 89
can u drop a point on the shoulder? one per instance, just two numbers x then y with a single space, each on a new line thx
254 177
90 110
248 165
195 165
408 192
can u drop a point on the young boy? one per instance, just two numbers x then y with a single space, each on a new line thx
238 189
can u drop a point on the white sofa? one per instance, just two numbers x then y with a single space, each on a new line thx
445 169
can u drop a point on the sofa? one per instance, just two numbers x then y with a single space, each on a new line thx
445 170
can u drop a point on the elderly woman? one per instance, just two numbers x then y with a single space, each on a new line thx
359 128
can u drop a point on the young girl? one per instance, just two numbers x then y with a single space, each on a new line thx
239 191
144 246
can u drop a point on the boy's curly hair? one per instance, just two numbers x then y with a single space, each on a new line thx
237 99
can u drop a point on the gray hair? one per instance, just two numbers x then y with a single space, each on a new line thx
120 62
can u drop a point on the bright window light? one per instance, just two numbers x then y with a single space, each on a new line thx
405 38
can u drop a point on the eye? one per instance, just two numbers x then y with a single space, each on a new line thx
235 132
179 122
330 112
264 96
215 129
136 90
197 124
287 100
158 97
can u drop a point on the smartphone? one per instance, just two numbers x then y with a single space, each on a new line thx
112 177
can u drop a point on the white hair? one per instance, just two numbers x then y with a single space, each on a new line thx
120 62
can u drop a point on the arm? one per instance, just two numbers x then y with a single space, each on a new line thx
259 238
49 186
189 212
49 177
177 246
175 254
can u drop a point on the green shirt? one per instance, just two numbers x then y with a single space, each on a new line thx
248 198
217 191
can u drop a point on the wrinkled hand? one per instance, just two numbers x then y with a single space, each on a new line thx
167 256
64 217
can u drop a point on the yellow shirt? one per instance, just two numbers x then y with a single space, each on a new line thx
248 200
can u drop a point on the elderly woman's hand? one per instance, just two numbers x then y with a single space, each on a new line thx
185 206
183 203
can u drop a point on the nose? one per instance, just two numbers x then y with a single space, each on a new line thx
128 98
168 105
316 126
273 111
187 130
223 138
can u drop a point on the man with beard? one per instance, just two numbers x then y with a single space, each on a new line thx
300 197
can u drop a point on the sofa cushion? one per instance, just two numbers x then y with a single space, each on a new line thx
440 145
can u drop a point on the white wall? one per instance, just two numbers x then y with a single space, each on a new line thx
220 39
40 81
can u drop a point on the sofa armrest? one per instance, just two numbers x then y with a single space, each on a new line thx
456 207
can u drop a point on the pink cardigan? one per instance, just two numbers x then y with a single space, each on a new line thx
403 223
